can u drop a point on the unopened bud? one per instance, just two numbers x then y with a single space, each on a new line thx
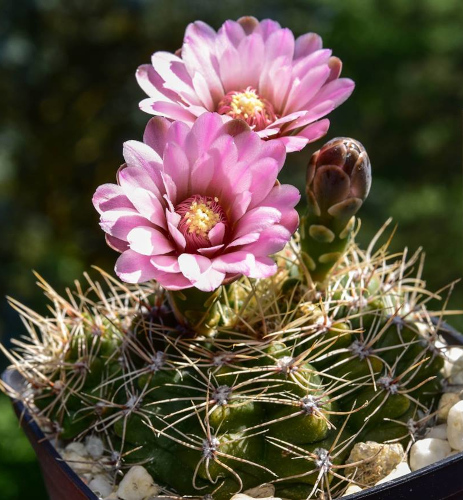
338 178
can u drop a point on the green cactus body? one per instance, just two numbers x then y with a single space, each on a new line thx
279 391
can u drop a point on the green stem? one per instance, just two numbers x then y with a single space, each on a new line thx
196 310
323 241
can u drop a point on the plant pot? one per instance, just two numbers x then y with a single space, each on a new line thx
440 481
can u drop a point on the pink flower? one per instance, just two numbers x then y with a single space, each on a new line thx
250 70
198 206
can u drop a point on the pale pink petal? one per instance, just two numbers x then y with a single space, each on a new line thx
110 197
119 223
150 81
306 44
202 173
244 240
211 251
175 76
228 62
230 33
169 109
146 240
264 173
202 91
204 132
216 234
209 280
240 204
198 54
271 240
268 27
173 281
310 116
176 165
132 267
284 198
256 220
170 188
302 91
294 142
137 154
192 266
144 194
315 130
288 118
337 91
166 263
156 134
305 135
240 262
267 133
177 236
318 58
116 244
263 268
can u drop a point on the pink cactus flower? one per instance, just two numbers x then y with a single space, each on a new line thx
195 207
251 70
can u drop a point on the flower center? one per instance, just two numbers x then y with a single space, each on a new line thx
247 105
199 215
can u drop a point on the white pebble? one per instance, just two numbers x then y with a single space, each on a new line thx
94 446
401 470
353 488
427 451
455 426
101 485
242 496
262 491
453 368
76 447
438 431
77 458
137 484
447 400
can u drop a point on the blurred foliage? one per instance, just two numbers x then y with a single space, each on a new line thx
69 99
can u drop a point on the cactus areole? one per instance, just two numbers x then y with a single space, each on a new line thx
236 347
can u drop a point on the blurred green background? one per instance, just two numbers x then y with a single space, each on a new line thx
69 99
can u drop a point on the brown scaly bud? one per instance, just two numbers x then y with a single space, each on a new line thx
338 178
338 181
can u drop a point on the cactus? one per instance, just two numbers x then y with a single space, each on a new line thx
291 379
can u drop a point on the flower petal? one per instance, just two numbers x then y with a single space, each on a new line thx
119 223
256 220
193 266
198 54
155 135
306 44
132 267
148 241
209 280
216 234
110 197
166 263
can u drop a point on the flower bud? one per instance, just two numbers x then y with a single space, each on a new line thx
338 178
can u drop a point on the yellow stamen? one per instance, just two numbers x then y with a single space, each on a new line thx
246 104
201 218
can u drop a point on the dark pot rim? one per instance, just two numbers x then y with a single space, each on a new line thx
439 481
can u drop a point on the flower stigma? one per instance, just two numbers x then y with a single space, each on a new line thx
199 215
249 106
